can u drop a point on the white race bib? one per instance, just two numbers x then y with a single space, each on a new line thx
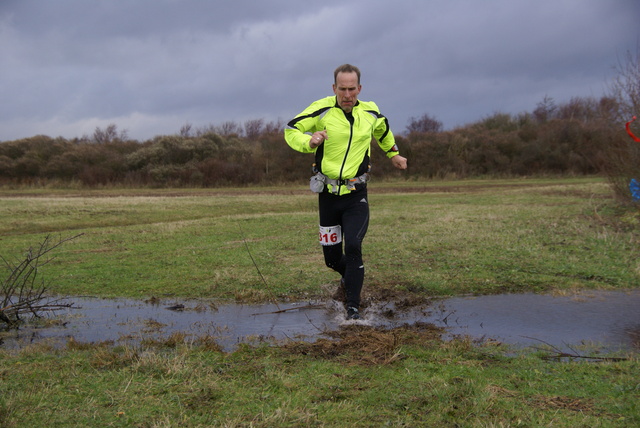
330 235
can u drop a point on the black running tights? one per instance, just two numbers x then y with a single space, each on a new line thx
351 212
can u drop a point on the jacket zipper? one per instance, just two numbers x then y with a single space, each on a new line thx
346 154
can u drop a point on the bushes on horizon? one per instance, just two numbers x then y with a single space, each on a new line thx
571 138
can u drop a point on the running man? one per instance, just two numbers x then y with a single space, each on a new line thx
338 130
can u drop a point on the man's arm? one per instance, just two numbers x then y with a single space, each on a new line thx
387 141
296 131
399 162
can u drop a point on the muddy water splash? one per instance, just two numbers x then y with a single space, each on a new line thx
123 321
610 320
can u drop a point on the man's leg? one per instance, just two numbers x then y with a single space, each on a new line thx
334 258
355 221
351 213
331 216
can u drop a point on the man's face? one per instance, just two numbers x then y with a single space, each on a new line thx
346 89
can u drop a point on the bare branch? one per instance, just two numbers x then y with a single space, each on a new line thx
22 292
558 354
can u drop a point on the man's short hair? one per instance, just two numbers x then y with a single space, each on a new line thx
346 68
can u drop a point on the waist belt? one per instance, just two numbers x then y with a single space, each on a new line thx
350 183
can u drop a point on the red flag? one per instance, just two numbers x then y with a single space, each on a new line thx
629 130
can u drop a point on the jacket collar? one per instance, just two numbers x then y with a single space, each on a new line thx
338 106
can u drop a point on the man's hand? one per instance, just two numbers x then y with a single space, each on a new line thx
399 162
317 138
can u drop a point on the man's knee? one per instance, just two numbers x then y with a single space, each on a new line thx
353 251
333 257
332 264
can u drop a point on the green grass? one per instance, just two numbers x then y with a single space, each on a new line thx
426 384
425 239
446 238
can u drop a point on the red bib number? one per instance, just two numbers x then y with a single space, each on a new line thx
330 235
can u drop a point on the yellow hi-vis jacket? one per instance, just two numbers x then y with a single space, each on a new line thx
346 151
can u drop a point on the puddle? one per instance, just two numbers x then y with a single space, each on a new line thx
606 319
124 321
610 319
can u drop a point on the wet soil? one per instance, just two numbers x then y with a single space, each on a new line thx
603 320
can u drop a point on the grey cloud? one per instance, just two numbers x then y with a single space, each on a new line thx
152 65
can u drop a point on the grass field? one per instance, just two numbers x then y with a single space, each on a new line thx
434 239
425 239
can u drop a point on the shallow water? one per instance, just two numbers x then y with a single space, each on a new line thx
605 319
125 321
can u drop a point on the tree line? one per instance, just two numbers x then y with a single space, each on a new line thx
583 136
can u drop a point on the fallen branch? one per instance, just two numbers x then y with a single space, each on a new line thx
561 354
309 306
22 292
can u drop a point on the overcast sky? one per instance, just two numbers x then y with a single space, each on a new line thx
152 66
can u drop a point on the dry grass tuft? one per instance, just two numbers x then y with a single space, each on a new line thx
362 345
